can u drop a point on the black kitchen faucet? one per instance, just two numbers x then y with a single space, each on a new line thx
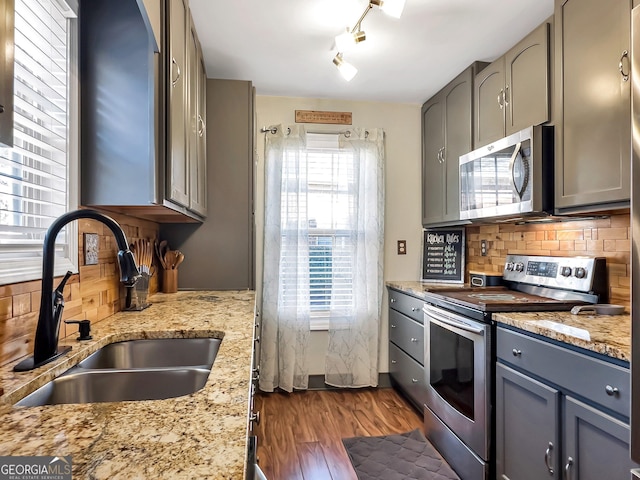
52 301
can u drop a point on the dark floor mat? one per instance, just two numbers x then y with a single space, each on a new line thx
397 457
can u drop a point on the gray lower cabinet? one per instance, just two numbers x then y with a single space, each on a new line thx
527 427
554 423
596 445
406 346
593 101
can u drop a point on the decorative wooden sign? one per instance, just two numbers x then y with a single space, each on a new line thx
313 116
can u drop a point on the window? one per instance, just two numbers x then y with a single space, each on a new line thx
330 197
38 175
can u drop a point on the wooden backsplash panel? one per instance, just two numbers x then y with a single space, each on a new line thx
94 293
608 237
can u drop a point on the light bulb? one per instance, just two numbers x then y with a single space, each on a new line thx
346 41
393 8
347 70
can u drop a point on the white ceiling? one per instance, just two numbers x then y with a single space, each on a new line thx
286 47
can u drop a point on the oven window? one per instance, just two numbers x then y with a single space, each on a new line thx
451 365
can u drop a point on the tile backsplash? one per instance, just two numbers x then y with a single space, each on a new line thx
608 237
95 293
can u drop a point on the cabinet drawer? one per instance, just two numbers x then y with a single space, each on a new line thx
408 375
592 378
410 306
407 334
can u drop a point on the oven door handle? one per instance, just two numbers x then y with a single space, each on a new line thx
441 319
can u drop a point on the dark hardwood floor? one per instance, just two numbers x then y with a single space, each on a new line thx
300 434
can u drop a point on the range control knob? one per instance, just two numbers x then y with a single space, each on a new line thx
565 271
508 266
581 272
519 267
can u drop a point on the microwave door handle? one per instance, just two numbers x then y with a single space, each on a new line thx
512 163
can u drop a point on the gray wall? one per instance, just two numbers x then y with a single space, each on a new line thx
219 253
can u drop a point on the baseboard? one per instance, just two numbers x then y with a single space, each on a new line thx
316 382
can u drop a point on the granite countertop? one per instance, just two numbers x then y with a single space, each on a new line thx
202 435
606 334
609 335
420 288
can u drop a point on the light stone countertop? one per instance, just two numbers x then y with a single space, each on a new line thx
609 335
202 435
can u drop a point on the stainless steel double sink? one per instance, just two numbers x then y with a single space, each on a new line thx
150 369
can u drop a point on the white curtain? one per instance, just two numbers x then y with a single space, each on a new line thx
349 210
352 352
285 279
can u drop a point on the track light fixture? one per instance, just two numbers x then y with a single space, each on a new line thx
347 70
352 37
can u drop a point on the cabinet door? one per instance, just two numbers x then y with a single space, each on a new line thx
489 104
527 434
458 138
596 445
177 161
593 142
197 164
199 187
432 164
527 81
6 72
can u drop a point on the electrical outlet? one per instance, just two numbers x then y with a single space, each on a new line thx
90 248
402 247
483 248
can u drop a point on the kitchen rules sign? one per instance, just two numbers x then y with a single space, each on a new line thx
443 255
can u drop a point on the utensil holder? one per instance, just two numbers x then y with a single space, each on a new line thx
137 294
170 280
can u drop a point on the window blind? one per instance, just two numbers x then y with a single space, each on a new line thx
34 174
328 208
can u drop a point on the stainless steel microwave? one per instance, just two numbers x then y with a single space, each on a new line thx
510 178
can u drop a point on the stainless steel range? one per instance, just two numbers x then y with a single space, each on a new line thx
460 348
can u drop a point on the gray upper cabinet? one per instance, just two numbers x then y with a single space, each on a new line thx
593 136
141 101
6 72
177 102
196 148
446 134
513 92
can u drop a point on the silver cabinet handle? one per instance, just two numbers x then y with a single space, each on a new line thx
625 76
442 155
501 99
505 95
414 340
413 380
1 108
174 62
393 300
255 418
393 362
202 126
567 469
393 326
516 352
415 309
548 459
611 391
